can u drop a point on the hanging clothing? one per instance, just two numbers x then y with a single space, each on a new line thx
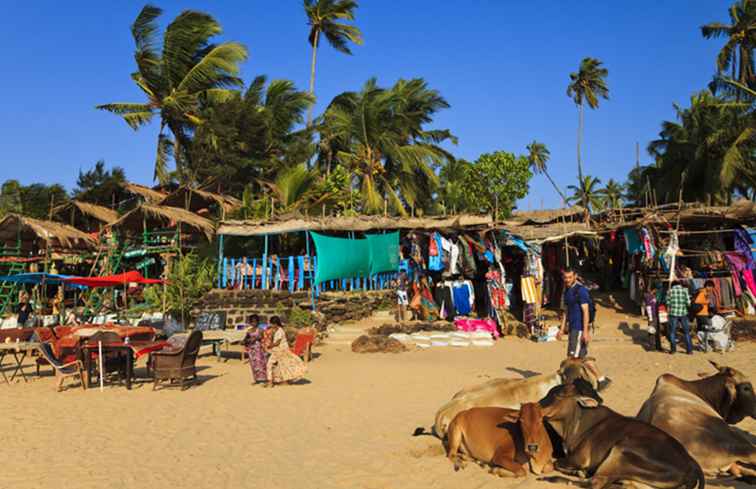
529 291
633 242
461 295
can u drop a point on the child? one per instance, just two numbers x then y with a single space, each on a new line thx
402 301
652 314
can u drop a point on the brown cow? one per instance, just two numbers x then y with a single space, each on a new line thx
698 414
502 437
615 448
511 393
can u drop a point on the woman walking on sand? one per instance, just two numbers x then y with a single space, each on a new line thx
283 365
253 344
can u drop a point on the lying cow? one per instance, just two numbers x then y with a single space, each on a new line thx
698 414
501 437
511 393
615 448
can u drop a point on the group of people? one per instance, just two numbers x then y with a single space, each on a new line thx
270 359
679 310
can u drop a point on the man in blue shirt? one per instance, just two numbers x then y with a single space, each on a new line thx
576 317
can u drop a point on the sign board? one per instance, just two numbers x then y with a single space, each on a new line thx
211 320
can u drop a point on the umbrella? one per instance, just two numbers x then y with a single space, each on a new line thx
40 278
113 280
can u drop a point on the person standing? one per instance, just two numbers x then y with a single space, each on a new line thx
283 365
24 308
678 303
253 344
650 302
576 316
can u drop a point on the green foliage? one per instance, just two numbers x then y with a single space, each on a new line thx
35 200
379 136
177 79
190 278
587 194
100 186
740 35
613 193
710 150
587 85
495 182
296 317
538 157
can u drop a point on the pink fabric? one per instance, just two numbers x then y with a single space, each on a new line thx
473 325
736 283
748 276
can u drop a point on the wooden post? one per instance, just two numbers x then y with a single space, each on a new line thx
220 259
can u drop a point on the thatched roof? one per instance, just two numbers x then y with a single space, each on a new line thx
695 215
546 216
549 232
54 234
196 200
150 196
156 216
357 223
63 212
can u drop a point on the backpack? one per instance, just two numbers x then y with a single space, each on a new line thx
591 305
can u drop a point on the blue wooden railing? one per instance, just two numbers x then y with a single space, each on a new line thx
292 273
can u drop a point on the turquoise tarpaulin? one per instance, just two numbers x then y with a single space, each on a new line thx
340 258
384 252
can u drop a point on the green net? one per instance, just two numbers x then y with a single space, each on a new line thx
384 252
340 258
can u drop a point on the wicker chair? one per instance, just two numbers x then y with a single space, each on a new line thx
177 364
71 369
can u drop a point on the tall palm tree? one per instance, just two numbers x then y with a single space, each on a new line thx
326 17
176 79
586 193
737 53
613 192
538 157
587 85
378 135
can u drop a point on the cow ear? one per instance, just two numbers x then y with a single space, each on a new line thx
587 402
510 417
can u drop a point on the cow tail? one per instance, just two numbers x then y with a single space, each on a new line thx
423 431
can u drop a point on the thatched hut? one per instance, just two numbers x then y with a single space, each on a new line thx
85 216
144 194
201 202
355 224
154 225
33 237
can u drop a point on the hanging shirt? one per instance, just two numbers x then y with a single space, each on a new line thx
435 262
453 259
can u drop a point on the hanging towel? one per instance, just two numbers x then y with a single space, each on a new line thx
633 242
529 291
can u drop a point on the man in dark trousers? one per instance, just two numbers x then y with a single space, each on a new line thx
576 317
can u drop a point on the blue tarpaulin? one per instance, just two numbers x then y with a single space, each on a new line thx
38 278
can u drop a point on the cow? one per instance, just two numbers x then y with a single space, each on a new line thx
614 448
502 438
511 393
699 413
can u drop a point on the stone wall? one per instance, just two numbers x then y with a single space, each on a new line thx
331 307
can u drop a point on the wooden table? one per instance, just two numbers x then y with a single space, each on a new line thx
223 337
87 349
19 350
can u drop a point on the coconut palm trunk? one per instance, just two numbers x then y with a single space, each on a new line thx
559 191
312 77
579 141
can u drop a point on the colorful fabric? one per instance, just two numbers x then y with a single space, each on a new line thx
529 290
678 301
474 325
749 280
283 365
435 261
633 241
341 258
743 242
258 358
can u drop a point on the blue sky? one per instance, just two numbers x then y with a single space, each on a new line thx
502 65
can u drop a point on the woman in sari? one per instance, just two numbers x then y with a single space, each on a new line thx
283 365
253 344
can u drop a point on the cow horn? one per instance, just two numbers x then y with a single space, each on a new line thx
716 365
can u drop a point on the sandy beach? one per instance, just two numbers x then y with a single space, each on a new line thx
348 427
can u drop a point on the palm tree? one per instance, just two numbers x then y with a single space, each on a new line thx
295 189
737 53
586 193
538 156
326 17
188 71
587 86
613 192
378 136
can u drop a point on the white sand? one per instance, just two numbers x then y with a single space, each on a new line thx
350 427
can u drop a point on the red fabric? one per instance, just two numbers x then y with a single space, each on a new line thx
70 340
113 280
141 350
301 343
44 334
